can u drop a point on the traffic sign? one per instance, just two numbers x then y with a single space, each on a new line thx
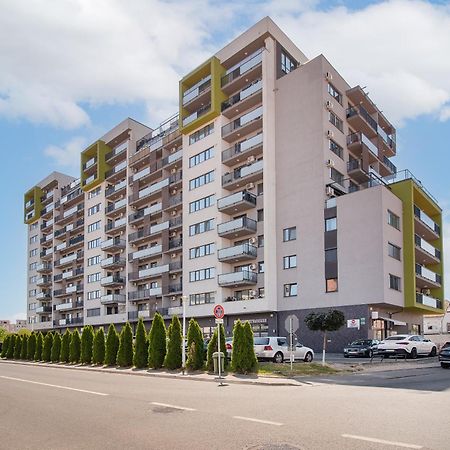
219 311
218 321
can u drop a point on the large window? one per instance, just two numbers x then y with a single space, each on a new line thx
94 243
331 284
201 299
290 234
94 226
93 277
334 93
201 250
393 220
260 215
337 176
331 255
94 209
334 119
95 192
91 295
288 64
290 290
289 262
94 260
202 274
200 157
394 251
336 149
200 134
201 203
331 224
201 227
395 282
93 312
201 180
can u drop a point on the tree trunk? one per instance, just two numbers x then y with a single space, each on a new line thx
324 347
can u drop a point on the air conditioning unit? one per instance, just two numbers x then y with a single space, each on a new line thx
174 212
173 255
249 186
174 170
330 134
252 266
329 104
328 76
330 163
173 234
252 293
251 159
329 191
174 191
426 292
252 240
174 277
173 298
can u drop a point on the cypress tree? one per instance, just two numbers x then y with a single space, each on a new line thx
140 359
39 345
236 355
75 347
87 341
125 352
47 348
98 353
56 348
174 352
12 344
17 347
195 345
249 361
31 348
5 346
65 347
157 342
24 350
212 347
112 345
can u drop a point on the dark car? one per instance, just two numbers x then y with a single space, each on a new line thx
444 356
361 347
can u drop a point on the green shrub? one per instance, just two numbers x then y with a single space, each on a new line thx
195 345
140 359
98 354
23 352
112 345
75 347
31 347
39 346
5 346
47 348
87 342
125 352
17 347
236 353
243 358
157 342
65 347
56 348
174 346
212 347
12 344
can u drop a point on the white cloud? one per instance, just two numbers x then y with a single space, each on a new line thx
18 316
67 155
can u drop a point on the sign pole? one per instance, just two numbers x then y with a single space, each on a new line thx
219 312
218 347
291 341
183 348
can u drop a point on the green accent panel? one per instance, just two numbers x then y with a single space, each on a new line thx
97 150
216 70
411 194
33 195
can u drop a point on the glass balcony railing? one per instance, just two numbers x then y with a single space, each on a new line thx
197 114
153 188
111 190
236 224
236 251
424 218
361 138
150 251
236 198
428 301
242 67
197 89
242 147
145 212
388 139
242 172
244 276
424 245
359 110
242 121
387 162
113 242
428 274
243 94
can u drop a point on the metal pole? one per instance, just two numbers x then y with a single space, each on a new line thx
183 348
218 347
291 338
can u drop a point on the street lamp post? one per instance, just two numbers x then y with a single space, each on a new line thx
183 348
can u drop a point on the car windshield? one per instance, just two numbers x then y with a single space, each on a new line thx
446 345
260 341
395 338
362 342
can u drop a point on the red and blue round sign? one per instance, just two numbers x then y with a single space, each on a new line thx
219 311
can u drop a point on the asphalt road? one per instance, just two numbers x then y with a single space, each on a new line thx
54 408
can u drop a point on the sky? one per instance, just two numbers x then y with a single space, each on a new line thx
71 72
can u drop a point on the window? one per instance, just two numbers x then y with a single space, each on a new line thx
201 299
202 250
290 234
201 227
261 240
94 243
394 282
33 279
33 226
32 293
200 157
288 64
331 284
201 180
261 267
261 292
94 260
337 176
91 295
93 312
94 209
202 274
289 262
334 93
334 119
93 277
331 255
394 251
260 189
290 290
33 252
201 203
336 149
33 239
331 224
393 220
260 215
33 266
95 192
94 226
200 134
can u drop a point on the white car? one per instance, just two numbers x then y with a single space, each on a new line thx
277 349
408 345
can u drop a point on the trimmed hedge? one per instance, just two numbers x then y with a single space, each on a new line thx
112 346
98 353
157 342
5 346
47 348
56 348
125 352
39 345
65 347
195 345
31 348
75 347
24 350
17 347
173 358
140 359
87 342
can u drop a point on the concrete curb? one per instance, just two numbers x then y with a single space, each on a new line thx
145 373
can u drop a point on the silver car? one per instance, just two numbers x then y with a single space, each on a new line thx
276 348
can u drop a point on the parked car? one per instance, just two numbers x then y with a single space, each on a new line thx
276 348
444 356
361 347
229 346
407 345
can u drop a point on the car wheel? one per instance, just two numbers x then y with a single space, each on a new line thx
445 365
278 358
433 351
308 357
346 356
370 353
413 354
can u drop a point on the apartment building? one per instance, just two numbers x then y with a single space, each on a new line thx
271 191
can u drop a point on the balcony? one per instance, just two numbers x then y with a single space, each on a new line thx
112 281
69 305
358 142
72 321
426 278
148 193
113 192
116 225
43 295
113 262
149 272
112 298
146 253
117 172
76 288
242 150
390 168
68 259
425 226
386 142
75 241
176 266
175 244
117 153
196 114
46 226
144 294
176 223
146 212
356 171
197 94
61 246
425 252
43 309
44 268
44 281
71 198
360 120
114 209
246 124
237 202
46 254
173 289
148 173
175 311
238 279
148 231
237 228
69 274
67 216
172 158
90 164
428 301
249 97
243 175
241 252
113 244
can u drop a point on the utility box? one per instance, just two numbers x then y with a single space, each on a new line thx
216 362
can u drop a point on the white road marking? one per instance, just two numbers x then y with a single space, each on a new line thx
166 405
251 419
382 441
54 385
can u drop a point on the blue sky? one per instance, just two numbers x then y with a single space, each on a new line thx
71 73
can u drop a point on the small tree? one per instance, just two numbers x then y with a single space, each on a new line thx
329 321
12 344
212 347
98 354
157 342
87 341
17 347
236 353
65 347
24 351
75 347
24 332
248 352
31 347
140 358
3 334
112 345
174 354
56 348
125 352
5 346
47 348
195 345
39 345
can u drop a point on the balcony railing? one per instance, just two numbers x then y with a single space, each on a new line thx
236 199
146 252
242 121
111 190
243 67
236 278
117 151
428 301
424 218
116 169
144 294
361 138
428 274
149 272
242 147
387 162
197 89
115 242
112 261
113 298
196 114
147 231
115 206
116 224
243 94
359 110
243 172
236 224
237 251
111 280
424 245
